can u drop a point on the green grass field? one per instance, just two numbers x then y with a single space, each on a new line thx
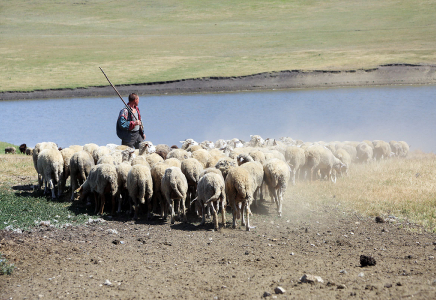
51 44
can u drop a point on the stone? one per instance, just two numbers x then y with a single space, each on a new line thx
367 261
279 290
266 294
307 278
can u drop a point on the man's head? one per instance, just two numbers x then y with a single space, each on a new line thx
133 98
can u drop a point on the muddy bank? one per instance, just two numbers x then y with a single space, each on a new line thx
394 74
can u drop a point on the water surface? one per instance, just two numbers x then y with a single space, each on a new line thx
388 113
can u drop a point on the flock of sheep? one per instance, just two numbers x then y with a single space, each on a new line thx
203 177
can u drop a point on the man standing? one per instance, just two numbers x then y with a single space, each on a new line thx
129 127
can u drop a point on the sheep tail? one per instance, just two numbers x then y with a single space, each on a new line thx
215 197
175 188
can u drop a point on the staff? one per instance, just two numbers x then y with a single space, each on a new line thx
128 107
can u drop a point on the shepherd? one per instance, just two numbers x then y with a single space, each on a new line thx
129 123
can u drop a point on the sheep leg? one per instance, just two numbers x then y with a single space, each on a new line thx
185 217
280 201
247 209
172 211
96 202
203 214
234 212
73 186
120 201
223 212
103 200
215 216
150 209
113 204
242 209
51 186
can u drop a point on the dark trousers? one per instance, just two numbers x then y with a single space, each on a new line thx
133 140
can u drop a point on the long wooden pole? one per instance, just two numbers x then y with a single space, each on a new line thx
128 107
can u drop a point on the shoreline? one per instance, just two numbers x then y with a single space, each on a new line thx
392 74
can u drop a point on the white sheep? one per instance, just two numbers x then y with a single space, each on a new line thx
255 141
203 156
219 144
256 171
258 156
153 159
345 158
174 186
157 173
405 148
277 175
239 192
10 150
76 148
207 145
140 160
382 150
224 165
296 159
102 179
188 142
211 194
193 148
364 152
106 159
66 153
123 193
180 154
80 166
321 158
38 148
100 152
140 187
173 162
90 148
192 169
146 147
50 165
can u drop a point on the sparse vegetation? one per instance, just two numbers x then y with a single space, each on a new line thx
5 267
51 45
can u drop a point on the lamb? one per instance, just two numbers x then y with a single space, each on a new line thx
211 194
345 158
51 166
192 169
364 152
296 159
174 186
180 154
140 187
239 192
102 179
256 171
146 148
10 150
80 166
202 156
276 178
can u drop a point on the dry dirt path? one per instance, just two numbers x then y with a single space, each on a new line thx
121 259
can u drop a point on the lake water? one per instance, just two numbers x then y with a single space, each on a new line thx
388 113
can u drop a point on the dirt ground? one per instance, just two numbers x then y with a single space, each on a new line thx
123 259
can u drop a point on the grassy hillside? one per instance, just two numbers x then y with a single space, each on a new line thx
58 44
